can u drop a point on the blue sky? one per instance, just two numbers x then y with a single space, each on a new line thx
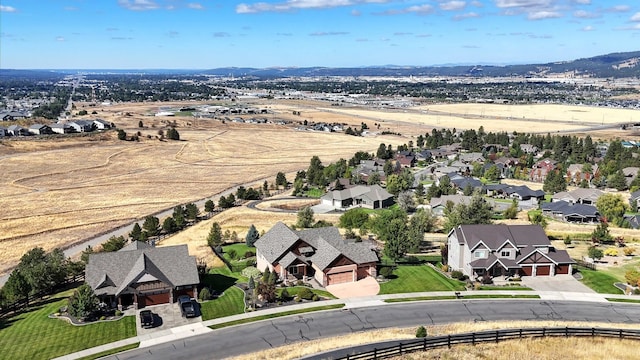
202 34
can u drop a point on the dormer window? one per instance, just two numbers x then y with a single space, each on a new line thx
480 254
505 253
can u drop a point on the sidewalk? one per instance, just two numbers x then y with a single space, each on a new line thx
351 303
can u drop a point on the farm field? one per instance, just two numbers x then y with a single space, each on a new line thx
60 191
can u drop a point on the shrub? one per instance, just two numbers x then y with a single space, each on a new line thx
457 274
421 332
386 272
444 268
232 254
611 252
284 295
118 313
305 293
251 272
315 297
204 294
103 318
567 241
249 254
628 251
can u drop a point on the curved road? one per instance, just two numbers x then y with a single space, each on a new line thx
249 338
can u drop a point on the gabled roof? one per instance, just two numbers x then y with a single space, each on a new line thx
566 208
373 192
275 245
113 272
495 235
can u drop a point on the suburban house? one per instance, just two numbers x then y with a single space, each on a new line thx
319 253
576 173
40 129
3 132
371 197
61 128
437 205
630 173
17 130
634 200
529 149
571 212
541 169
81 126
101 124
522 193
471 157
142 275
578 196
505 250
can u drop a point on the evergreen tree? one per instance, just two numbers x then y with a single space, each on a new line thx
209 206
169 225
215 235
151 225
135 232
305 218
281 179
83 303
252 236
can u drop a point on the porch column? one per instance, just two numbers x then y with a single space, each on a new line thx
171 296
119 303
534 270
552 271
135 301
195 291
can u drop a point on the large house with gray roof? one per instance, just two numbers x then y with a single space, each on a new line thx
142 275
371 197
321 254
505 250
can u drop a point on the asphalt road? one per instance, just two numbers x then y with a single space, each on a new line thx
249 338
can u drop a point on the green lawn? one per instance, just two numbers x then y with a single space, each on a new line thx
515 287
230 303
418 278
239 248
271 316
33 335
314 193
601 282
293 291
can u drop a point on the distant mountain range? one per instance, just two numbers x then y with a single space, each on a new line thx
615 65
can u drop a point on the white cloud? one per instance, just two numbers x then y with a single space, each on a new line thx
635 17
59 38
522 3
5 8
221 34
539 15
468 15
453 5
328 33
619 8
583 14
195 6
420 9
290 5
138 5
588 28
583 2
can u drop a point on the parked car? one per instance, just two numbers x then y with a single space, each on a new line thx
186 306
146 319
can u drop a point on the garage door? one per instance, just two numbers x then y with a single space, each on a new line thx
340 278
527 270
188 292
153 299
543 270
562 269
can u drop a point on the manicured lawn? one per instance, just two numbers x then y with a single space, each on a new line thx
633 301
293 291
599 281
230 303
239 248
111 352
515 287
314 193
487 296
33 335
418 278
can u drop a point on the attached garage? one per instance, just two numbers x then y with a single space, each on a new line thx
340 277
562 269
183 291
527 270
543 270
153 299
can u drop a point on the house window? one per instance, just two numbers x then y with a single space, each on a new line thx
505 253
479 254
293 270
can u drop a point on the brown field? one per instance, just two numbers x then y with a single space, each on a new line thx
60 191
549 348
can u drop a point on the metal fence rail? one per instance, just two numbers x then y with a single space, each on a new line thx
429 343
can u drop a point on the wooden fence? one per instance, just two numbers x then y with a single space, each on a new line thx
495 336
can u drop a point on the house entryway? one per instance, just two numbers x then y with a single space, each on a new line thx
364 287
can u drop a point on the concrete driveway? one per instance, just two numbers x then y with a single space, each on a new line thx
365 287
165 317
563 283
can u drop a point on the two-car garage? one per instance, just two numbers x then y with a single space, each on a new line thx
340 277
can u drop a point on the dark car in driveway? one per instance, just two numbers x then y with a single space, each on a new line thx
187 308
146 319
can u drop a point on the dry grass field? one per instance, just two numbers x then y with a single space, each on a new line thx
550 348
59 191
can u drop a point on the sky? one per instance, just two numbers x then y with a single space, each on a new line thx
206 34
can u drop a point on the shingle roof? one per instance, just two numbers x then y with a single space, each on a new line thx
374 192
275 246
113 272
566 208
495 235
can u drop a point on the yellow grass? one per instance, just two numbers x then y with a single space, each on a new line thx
64 190
298 350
